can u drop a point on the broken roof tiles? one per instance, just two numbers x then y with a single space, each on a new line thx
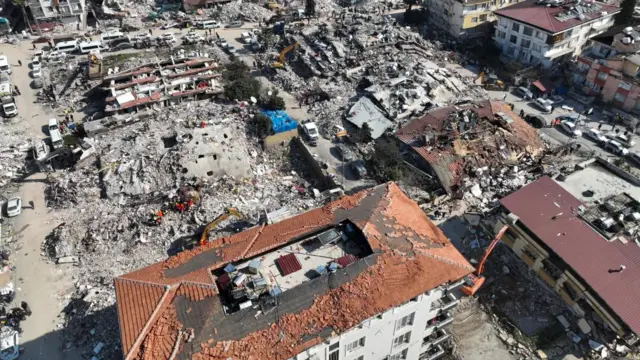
410 256
447 138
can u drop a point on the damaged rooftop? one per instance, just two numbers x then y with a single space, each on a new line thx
275 290
459 139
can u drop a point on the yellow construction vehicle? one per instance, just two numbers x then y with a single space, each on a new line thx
491 82
280 63
227 212
272 5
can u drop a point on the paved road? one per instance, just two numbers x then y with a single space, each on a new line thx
40 283
557 133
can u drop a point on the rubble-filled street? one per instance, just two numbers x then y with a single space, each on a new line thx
156 156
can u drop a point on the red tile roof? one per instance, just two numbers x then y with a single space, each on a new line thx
414 256
543 17
582 248
449 166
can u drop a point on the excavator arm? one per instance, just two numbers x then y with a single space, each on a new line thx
280 62
227 212
476 278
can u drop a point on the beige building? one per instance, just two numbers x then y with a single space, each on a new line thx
465 19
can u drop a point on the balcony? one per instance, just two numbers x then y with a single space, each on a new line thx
439 322
445 303
432 354
435 338
455 285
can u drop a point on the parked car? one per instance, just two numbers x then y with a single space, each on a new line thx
543 104
597 136
14 206
36 73
523 93
37 83
345 153
624 140
358 168
169 37
122 46
236 23
570 128
616 148
222 43
192 38
230 49
246 37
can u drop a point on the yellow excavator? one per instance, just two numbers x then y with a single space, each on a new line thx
280 63
227 212
490 81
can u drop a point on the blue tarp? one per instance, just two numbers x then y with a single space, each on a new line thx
280 121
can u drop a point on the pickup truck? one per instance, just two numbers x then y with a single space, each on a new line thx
8 105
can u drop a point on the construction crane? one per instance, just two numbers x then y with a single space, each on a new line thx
476 279
227 212
280 62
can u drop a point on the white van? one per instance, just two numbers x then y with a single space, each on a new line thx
53 125
67 46
4 65
88 46
208 24
107 37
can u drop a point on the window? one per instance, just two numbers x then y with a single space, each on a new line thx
619 97
474 19
540 35
501 34
515 27
602 76
351 347
624 85
527 31
525 44
511 50
361 357
405 321
513 39
536 47
483 17
334 351
502 22
568 33
402 339
402 355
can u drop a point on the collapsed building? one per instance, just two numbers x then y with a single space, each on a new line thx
471 139
165 82
367 275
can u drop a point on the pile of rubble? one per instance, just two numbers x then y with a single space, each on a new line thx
13 153
241 11
371 56
112 203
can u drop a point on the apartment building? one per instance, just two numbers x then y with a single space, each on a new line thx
366 277
65 11
546 32
465 19
587 253
610 68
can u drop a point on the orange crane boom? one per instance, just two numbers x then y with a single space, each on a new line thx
476 278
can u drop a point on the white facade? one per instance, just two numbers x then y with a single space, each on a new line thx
464 19
66 11
532 46
396 334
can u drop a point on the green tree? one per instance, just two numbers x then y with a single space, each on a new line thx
242 89
235 70
274 102
262 125
625 16
387 160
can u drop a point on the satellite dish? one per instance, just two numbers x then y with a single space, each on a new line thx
253 100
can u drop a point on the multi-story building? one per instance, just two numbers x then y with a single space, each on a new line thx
610 69
65 11
546 32
366 277
465 19
586 251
